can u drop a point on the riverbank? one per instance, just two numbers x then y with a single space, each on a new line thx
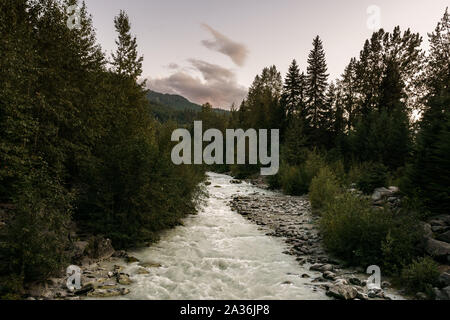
290 218
268 248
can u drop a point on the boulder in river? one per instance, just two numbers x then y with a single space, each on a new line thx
150 264
438 249
342 292
123 279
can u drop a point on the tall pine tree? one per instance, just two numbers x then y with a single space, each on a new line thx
316 82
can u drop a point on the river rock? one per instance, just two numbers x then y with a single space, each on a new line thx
123 279
321 267
427 232
101 248
444 279
329 275
444 236
131 259
385 285
437 249
362 296
342 292
142 271
376 293
355 281
107 293
85 289
446 290
421 296
380 193
150 264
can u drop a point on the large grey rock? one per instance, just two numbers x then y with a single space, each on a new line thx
444 279
446 290
321 267
394 189
441 220
440 294
329 275
437 249
123 279
150 264
427 232
101 248
444 236
380 193
342 292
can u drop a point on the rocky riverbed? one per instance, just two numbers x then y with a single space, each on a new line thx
291 219
232 249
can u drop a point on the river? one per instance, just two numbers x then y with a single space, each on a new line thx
218 254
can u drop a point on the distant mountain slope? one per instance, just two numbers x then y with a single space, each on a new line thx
173 101
176 102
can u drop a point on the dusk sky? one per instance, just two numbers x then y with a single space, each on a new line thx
211 50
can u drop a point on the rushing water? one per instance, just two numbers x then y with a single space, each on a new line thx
218 254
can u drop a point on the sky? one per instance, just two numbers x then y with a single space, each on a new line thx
211 50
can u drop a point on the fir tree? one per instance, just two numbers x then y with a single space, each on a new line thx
126 61
293 91
316 82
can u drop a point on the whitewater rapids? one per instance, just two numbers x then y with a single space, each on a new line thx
218 254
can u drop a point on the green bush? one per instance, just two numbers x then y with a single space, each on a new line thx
420 276
293 180
323 189
372 176
274 181
314 162
362 235
337 167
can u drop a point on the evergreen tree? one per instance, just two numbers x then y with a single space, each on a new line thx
347 87
383 135
316 80
294 91
126 60
295 144
428 175
262 106
327 113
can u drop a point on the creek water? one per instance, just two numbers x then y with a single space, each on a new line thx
218 254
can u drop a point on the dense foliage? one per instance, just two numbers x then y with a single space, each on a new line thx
386 120
77 143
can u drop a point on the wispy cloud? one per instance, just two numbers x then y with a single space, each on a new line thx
238 52
217 85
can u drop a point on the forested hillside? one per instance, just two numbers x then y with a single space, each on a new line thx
78 144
